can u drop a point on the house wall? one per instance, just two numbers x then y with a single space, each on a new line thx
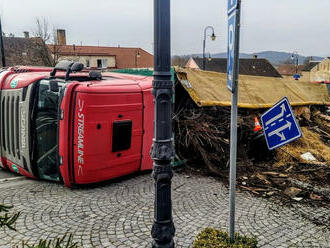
305 75
192 64
110 60
321 72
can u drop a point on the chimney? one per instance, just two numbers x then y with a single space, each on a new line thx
61 38
26 34
255 56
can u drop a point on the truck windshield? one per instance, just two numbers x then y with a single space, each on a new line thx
45 135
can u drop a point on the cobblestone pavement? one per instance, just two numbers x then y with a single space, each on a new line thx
7 174
119 213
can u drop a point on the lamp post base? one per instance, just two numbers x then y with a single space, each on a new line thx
171 245
163 232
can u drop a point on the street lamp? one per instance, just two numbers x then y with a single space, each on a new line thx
162 151
204 42
296 57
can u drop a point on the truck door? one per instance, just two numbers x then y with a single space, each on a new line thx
107 135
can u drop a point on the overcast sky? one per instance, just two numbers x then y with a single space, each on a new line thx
280 25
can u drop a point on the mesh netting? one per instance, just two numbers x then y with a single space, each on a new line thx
141 72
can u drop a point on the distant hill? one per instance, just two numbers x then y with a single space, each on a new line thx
273 57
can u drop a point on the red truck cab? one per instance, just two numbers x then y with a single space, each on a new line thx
64 124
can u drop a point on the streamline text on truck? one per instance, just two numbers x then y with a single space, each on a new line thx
65 124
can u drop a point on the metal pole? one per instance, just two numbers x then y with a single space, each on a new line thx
3 58
297 63
295 58
162 150
233 131
204 41
233 154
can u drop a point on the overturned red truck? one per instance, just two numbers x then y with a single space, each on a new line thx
74 126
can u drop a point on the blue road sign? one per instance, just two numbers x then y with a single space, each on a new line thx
280 125
231 50
232 4
296 76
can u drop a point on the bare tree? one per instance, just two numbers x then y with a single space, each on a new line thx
288 61
55 48
308 60
180 60
42 29
46 42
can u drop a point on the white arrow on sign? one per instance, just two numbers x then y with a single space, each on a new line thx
280 115
280 129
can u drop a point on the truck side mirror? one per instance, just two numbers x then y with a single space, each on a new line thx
53 86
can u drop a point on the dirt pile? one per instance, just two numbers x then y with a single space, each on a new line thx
202 141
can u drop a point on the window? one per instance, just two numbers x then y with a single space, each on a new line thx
87 63
45 132
99 63
102 63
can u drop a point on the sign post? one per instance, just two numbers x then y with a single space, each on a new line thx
234 13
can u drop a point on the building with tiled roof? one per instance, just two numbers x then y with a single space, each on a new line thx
101 56
26 51
321 72
290 69
310 65
253 67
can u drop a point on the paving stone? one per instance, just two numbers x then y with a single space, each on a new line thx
120 214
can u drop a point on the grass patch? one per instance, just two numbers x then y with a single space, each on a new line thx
309 142
65 242
6 219
213 238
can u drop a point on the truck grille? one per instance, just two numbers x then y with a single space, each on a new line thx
10 123
12 102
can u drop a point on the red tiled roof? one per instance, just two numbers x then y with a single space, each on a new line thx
310 65
289 69
125 57
254 67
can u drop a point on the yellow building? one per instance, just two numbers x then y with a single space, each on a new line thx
321 72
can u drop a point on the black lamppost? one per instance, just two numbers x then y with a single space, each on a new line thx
295 57
3 58
204 42
162 150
